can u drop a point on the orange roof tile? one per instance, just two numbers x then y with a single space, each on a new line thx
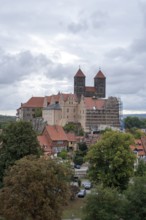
56 133
138 147
36 102
79 73
99 75
71 137
91 103
44 143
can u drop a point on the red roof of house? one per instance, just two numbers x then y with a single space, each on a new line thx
100 75
79 73
90 89
56 133
138 147
44 143
71 137
36 102
91 103
57 97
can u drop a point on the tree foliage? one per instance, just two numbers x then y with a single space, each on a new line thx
74 127
108 203
18 140
34 189
63 154
38 112
83 148
135 208
111 160
103 204
141 168
137 133
134 122
80 153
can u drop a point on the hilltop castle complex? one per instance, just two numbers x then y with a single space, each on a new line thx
87 106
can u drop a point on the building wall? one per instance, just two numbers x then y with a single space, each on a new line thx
92 119
51 116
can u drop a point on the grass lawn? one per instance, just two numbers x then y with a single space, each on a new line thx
74 208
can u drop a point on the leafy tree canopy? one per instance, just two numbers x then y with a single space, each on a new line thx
34 189
103 204
134 122
111 160
18 140
108 203
141 168
135 208
38 112
74 127
137 133
63 154
83 147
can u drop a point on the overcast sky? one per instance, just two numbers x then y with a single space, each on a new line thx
43 43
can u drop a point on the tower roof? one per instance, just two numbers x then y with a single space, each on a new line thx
100 75
79 73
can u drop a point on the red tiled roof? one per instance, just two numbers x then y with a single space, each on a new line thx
71 137
36 102
56 133
48 98
138 147
91 103
67 96
100 75
90 89
79 73
44 143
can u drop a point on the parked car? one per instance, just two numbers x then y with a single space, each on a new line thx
88 185
77 166
81 193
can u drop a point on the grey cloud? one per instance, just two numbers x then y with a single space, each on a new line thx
18 66
77 27
88 21
139 46
99 18
120 53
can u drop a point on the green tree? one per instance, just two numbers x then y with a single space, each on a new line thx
134 122
80 153
111 160
34 189
141 169
137 133
74 127
78 157
135 208
18 140
38 112
103 204
83 148
63 154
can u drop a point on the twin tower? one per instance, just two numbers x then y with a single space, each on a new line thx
98 90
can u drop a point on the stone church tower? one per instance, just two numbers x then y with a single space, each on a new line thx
100 85
98 90
79 83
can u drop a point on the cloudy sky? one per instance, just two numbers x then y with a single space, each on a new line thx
43 43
